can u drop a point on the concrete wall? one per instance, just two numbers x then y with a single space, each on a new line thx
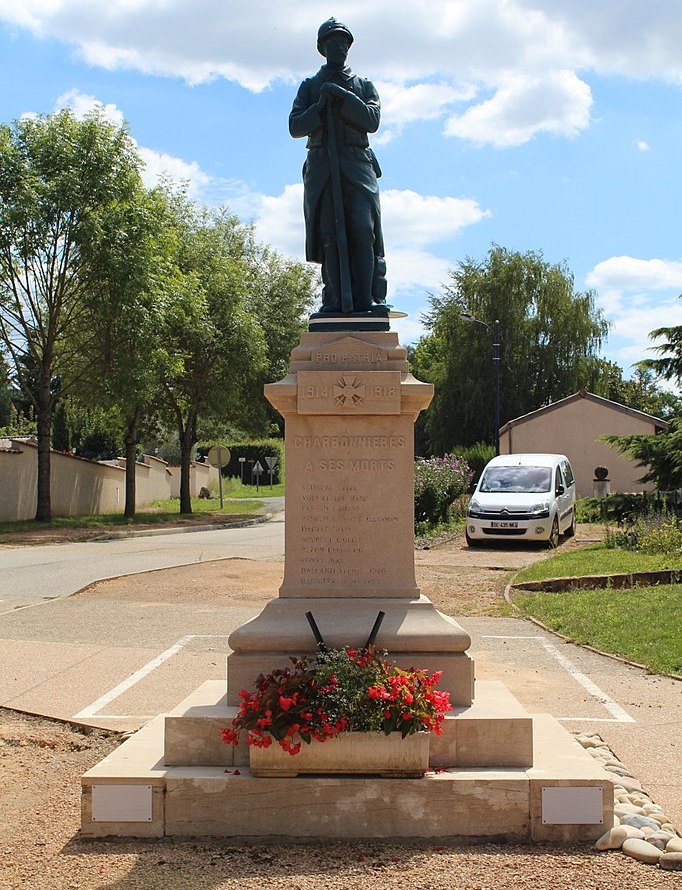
159 478
200 475
78 486
572 428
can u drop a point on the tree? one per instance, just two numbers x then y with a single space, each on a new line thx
58 177
661 454
669 366
548 334
213 347
126 303
233 315
605 378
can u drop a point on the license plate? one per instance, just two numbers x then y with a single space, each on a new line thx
504 525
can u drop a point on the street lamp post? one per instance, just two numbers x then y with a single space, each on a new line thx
495 334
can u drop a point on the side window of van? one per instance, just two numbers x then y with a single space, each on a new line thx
568 473
557 479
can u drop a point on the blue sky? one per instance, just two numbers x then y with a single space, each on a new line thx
550 125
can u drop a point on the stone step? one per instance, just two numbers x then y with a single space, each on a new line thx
493 731
565 797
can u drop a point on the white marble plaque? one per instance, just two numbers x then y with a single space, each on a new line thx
121 803
574 805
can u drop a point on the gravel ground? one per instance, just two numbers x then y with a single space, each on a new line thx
40 847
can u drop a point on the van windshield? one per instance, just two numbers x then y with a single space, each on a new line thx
530 480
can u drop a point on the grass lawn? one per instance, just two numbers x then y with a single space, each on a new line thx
596 560
644 624
234 489
171 507
161 512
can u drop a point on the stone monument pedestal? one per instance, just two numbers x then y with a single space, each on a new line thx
349 404
497 772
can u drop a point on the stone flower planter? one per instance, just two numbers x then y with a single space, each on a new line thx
348 753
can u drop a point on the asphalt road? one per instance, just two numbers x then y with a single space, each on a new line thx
31 575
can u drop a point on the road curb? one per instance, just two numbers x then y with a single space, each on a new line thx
178 529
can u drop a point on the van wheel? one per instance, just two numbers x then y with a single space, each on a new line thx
570 531
553 541
472 542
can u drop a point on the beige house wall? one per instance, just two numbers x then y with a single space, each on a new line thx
78 486
573 429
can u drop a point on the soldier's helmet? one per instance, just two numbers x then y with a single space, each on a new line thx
330 27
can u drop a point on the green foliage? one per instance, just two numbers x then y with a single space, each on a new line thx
59 178
669 364
642 624
605 378
655 533
625 508
476 456
255 451
438 483
61 435
660 455
547 329
99 445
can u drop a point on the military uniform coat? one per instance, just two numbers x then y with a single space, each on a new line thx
354 117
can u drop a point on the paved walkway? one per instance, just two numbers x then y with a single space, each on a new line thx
126 650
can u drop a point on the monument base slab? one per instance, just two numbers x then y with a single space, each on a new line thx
512 803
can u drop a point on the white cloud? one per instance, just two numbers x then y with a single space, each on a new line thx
279 221
156 164
625 285
159 164
626 273
532 57
406 104
642 145
558 103
413 219
411 223
82 104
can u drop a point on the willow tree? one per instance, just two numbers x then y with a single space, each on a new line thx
59 177
549 334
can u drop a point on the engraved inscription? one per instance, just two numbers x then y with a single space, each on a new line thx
342 521
349 352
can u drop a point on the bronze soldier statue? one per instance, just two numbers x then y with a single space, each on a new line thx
336 109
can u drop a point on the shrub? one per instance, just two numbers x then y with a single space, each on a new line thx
477 456
625 508
99 445
438 482
253 451
648 534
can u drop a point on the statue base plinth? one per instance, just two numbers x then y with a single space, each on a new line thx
375 319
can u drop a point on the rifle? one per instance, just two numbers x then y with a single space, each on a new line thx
339 216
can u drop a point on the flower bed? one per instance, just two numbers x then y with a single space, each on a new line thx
337 691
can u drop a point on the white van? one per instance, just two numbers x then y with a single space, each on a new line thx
523 497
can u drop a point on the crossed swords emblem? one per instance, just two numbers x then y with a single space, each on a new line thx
349 392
